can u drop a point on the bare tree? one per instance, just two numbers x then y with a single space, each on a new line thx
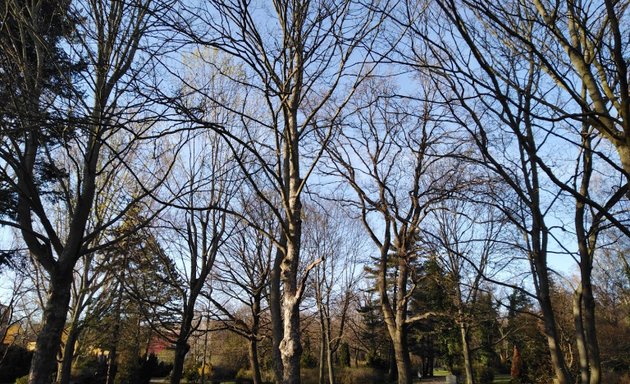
207 180
241 281
332 238
59 135
301 61
389 154
515 94
467 238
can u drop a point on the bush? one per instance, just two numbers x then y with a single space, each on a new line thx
90 369
22 380
483 374
308 361
344 355
191 372
613 377
222 373
362 375
457 371
152 367
374 361
15 363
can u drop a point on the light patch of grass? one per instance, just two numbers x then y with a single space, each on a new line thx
440 372
502 379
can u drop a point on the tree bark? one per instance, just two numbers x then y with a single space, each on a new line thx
290 346
322 355
65 369
277 332
592 344
329 355
401 353
253 361
549 322
47 345
181 349
470 378
580 337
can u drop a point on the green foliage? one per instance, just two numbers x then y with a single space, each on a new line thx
90 368
486 315
22 380
344 354
483 374
373 334
34 69
128 369
430 338
191 372
525 333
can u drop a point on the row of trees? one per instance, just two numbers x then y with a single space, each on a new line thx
159 157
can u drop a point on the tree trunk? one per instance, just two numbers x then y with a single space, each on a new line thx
253 361
112 367
322 355
65 369
470 379
290 346
579 336
592 344
181 349
401 353
47 346
275 299
329 353
550 330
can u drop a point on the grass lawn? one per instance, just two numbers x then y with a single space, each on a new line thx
440 372
501 379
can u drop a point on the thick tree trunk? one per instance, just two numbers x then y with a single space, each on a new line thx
181 349
47 346
403 362
550 330
290 346
580 337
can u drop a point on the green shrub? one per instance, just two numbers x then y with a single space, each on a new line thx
308 361
191 372
22 380
483 374
457 371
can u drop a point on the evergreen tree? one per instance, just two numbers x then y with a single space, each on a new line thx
431 337
35 79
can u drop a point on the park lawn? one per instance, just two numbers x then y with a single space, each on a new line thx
440 372
501 379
